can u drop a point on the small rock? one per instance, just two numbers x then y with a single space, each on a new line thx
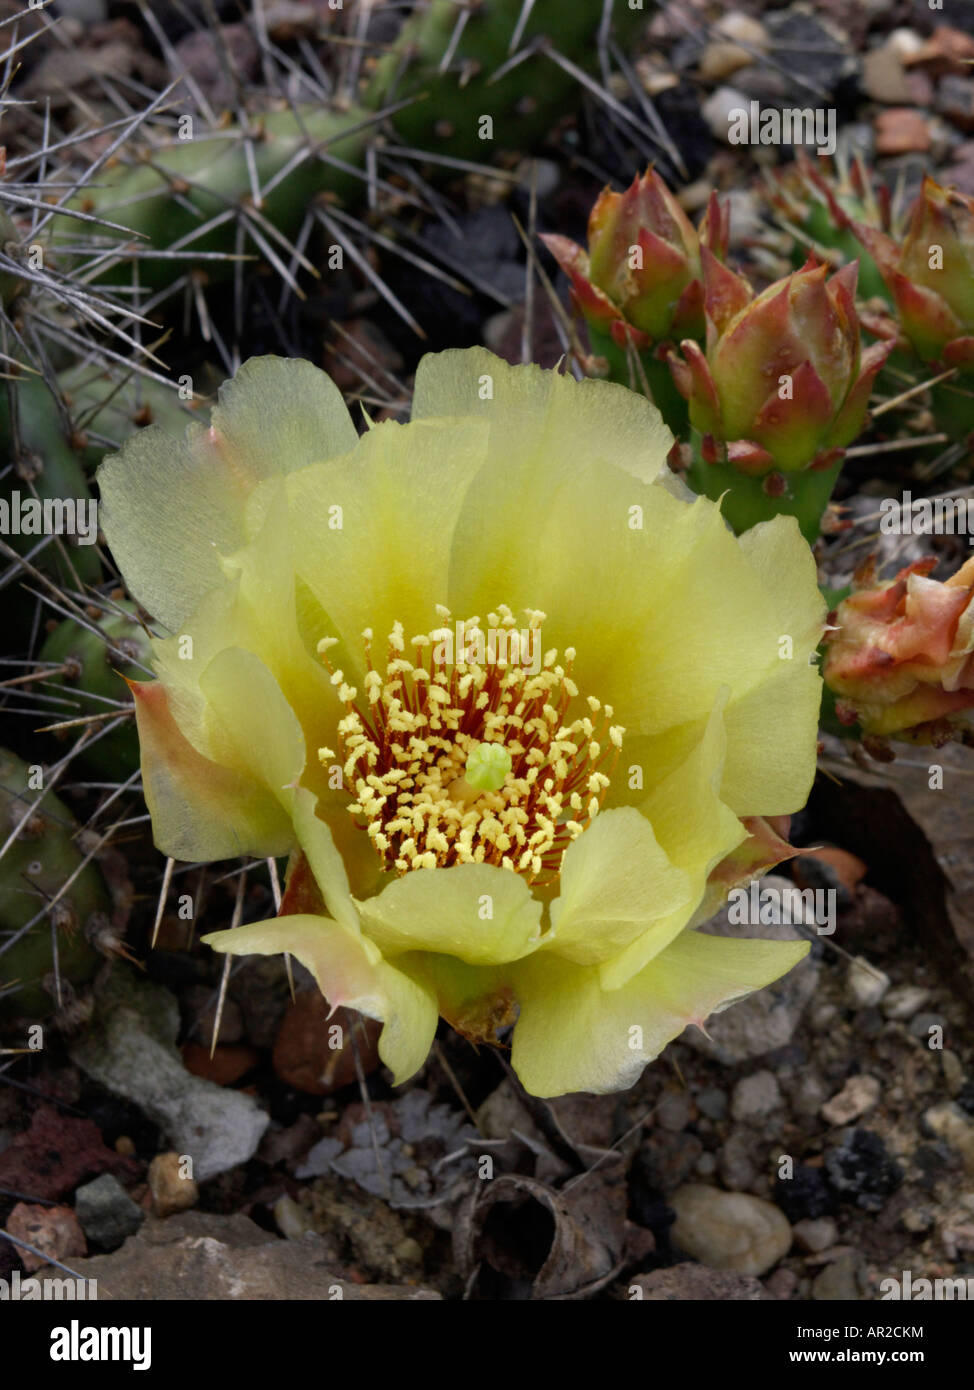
809 1094
755 1096
865 985
903 1001
737 1169
884 76
706 1165
729 1230
666 1160
922 1024
131 1050
224 1066
53 1231
837 1281
947 1121
292 1219
107 1213
674 1111
712 1102
315 1049
716 110
860 1170
724 54
902 130
805 1195
171 1191
859 1094
953 1071
815 1236
58 1152
698 1283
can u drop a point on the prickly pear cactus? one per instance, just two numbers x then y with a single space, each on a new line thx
94 664
39 917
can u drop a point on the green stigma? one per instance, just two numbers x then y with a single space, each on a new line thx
487 766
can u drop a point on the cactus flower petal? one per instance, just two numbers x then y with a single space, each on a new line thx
694 977
493 834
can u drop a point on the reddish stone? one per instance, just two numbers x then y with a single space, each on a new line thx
849 868
53 1230
901 130
57 1153
303 1053
228 1064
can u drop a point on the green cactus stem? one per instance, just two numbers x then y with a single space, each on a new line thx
39 860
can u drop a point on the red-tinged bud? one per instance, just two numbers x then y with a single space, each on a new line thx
930 272
783 381
902 657
642 269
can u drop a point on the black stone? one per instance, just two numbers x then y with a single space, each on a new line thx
805 1196
860 1170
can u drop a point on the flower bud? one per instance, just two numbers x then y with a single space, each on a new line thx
640 279
899 654
783 383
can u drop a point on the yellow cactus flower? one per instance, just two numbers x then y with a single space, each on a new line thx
511 699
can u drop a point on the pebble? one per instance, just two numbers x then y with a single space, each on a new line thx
303 1054
729 1230
291 1218
815 1236
724 54
837 1281
131 1051
737 1170
106 1212
54 1231
859 1094
865 985
675 1111
716 110
809 1094
884 77
171 1192
903 1001
805 1195
953 1071
860 1170
902 130
947 1121
921 1025
712 1102
755 1096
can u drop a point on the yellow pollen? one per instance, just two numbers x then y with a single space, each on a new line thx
471 756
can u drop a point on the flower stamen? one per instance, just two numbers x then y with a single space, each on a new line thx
473 757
